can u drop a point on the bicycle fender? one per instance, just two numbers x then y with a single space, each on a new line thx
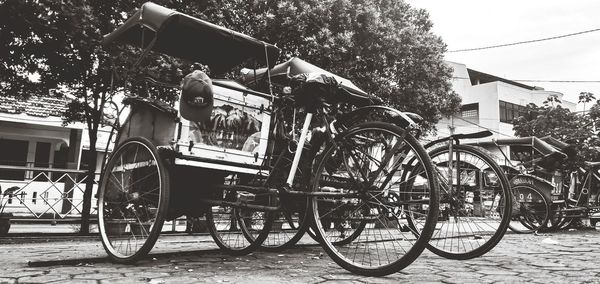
543 185
380 113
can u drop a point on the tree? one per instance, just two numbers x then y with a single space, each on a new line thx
571 127
547 120
385 46
585 98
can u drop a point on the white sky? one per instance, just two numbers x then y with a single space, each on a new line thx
477 23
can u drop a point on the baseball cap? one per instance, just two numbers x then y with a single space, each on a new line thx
196 100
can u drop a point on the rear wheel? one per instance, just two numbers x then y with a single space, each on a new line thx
360 203
474 207
533 209
132 200
288 228
289 223
235 229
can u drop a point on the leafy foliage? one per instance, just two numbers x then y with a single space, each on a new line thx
385 46
571 127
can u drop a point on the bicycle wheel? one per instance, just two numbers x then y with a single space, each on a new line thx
288 228
359 204
533 209
132 200
475 205
288 223
235 229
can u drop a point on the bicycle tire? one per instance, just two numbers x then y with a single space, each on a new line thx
470 228
533 209
133 199
376 152
230 226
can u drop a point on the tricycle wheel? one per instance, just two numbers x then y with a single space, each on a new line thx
356 219
475 203
533 209
287 229
132 200
237 230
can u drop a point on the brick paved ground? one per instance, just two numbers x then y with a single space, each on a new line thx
565 257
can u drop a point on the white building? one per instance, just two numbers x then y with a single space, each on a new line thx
491 102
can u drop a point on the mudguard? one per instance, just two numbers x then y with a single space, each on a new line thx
546 187
405 120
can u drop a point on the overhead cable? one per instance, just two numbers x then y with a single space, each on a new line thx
541 80
523 42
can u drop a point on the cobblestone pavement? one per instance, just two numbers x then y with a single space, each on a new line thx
563 257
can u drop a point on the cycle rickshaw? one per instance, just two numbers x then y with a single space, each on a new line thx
534 181
357 185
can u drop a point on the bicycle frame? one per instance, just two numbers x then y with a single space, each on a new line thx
455 140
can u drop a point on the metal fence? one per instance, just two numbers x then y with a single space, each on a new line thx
52 196
45 193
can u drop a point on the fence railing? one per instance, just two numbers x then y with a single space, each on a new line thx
48 193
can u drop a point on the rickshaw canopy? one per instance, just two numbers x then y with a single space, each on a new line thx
297 66
532 141
177 34
551 156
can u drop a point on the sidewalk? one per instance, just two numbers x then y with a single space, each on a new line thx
555 258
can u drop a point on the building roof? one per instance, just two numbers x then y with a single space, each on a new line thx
478 77
34 106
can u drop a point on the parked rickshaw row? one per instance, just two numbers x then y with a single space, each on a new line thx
291 150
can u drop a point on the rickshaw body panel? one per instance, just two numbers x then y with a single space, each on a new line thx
233 140
150 119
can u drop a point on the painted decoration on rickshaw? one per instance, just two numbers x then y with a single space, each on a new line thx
237 130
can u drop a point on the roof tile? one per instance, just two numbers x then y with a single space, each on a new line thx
34 106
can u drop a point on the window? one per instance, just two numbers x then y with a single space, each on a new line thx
42 159
14 153
60 162
510 111
470 110
86 155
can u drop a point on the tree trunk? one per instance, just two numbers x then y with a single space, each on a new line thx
89 186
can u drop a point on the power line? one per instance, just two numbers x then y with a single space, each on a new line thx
541 80
473 123
523 42
558 81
